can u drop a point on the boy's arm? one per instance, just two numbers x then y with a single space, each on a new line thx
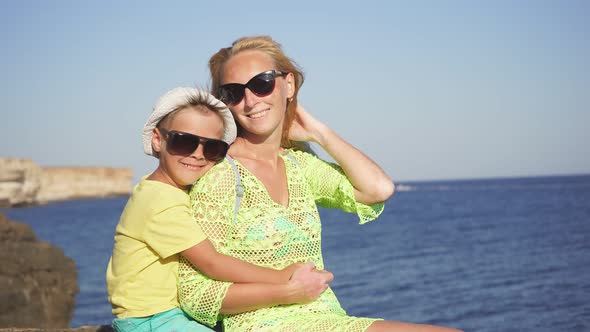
226 268
305 285
204 299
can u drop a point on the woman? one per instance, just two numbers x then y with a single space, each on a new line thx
276 222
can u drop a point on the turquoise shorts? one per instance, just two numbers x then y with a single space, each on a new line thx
174 320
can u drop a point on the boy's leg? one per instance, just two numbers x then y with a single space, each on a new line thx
141 324
176 320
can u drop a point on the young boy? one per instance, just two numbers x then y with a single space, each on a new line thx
188 131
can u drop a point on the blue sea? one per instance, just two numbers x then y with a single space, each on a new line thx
480 255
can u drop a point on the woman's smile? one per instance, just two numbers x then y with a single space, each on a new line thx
258 114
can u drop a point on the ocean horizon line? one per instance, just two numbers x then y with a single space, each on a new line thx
489 178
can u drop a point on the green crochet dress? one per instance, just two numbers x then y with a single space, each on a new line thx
272 235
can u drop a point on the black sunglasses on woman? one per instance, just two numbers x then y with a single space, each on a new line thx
261 85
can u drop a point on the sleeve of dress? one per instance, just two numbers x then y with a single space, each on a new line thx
212 203
332 189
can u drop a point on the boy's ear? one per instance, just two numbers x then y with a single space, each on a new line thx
157 141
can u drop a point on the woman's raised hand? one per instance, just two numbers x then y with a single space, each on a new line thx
305 128
371 183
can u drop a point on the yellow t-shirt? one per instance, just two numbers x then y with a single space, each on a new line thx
156 225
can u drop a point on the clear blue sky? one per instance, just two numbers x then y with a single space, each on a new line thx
429 89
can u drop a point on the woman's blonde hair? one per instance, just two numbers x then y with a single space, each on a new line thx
282 62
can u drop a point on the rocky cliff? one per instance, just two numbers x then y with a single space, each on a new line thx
60 183
20 181
23 182
38 282
103 328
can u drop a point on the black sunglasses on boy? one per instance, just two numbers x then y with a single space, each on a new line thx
183 144
261 85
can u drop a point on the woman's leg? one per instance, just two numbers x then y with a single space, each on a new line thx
389 326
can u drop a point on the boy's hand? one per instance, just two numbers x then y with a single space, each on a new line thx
289 270
309 282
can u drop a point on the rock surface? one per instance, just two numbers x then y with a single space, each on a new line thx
61 183
103 328
20 181
23 182
38 283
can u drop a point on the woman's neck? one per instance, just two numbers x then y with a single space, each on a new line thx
252 149
258 147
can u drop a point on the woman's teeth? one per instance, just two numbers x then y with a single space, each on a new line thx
258 114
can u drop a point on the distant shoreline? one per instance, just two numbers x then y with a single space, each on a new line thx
24 183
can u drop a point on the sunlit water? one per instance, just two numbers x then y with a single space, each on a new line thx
485 255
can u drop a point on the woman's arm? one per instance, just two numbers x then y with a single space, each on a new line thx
371 183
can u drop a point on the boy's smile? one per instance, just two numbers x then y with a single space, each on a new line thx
183 170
